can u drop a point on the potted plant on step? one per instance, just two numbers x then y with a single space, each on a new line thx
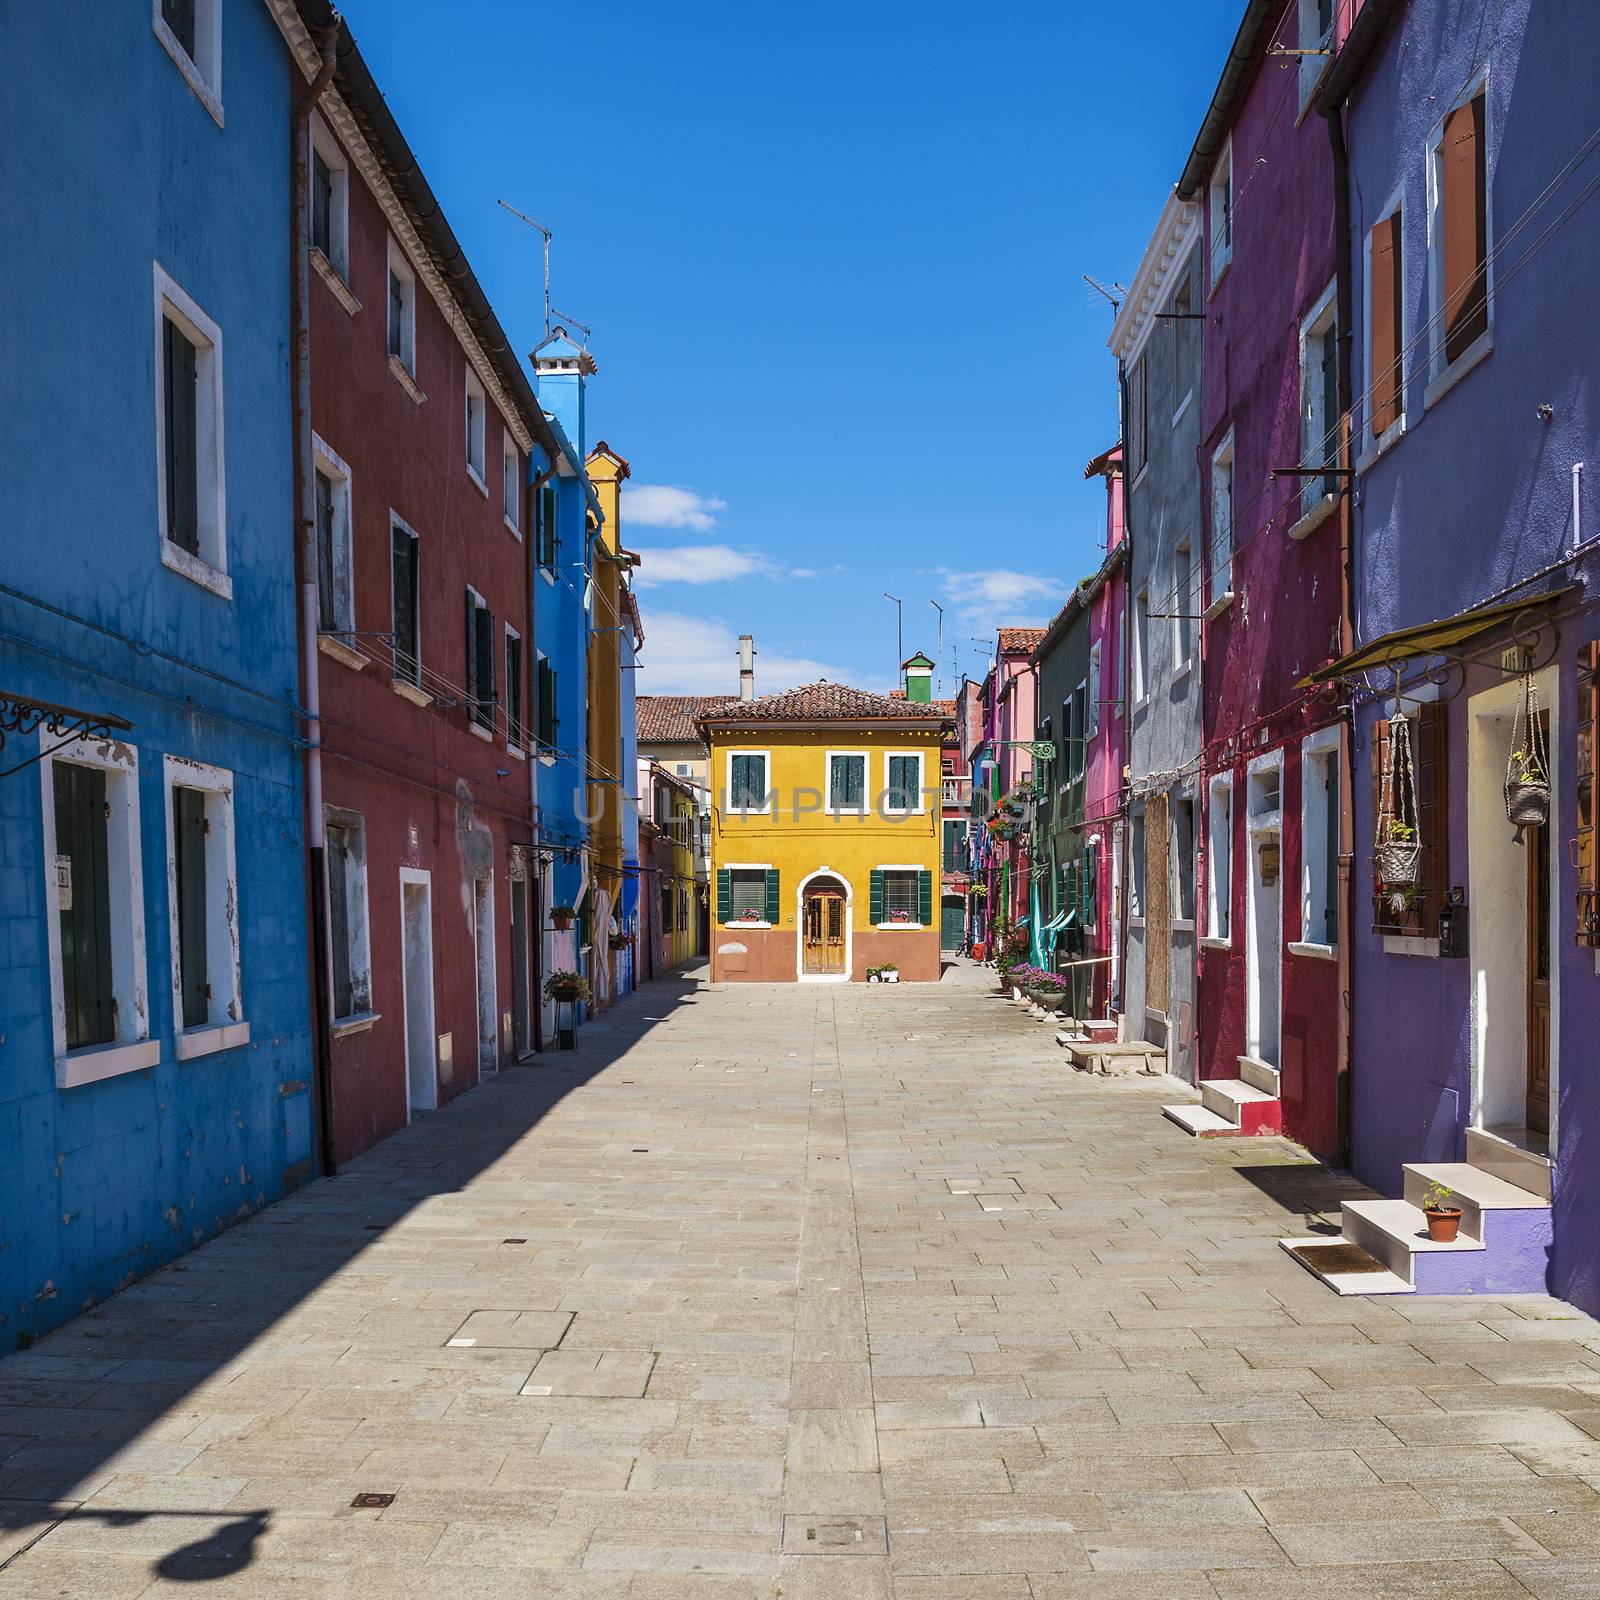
1052 992
561 917
1444 1219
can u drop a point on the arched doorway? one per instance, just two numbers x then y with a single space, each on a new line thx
824 928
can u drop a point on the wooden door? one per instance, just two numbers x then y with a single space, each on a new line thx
1537 843
824 932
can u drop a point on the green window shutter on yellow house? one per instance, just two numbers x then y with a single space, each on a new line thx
724 894
772 895
875 898
925 898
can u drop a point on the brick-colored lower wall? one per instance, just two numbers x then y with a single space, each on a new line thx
768 955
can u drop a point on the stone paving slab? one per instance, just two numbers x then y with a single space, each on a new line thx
803 1258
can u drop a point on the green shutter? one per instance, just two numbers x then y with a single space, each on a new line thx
925 898
875 898
724 894
189 837
85 922
772 896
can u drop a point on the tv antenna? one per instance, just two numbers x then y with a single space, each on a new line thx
572 322
899 629
522 216
938 649
1115 292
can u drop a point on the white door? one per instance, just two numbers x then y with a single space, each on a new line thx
1264 949
483 934
416 918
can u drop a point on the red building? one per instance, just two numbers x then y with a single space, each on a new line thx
423 425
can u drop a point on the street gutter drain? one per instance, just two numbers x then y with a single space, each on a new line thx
513 1241
835 1536
372 1502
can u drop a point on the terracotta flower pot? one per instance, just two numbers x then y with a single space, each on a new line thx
1444 1223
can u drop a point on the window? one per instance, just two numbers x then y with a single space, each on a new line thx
545 691
847 780
1069 739
1460 283
95 881
402 312
203 896
1222 508
189 479
1141 645
475 429
1319 791
482 694
666 908
335 600
1316 44
1183 608
546 525
1417 913
1266 791
516 732
1385 328
1319 400
1220 196
1219 857
1583 844
1138 428
191 33
511 483
1183 859
1137 864
955 846
1075 715
901 896
404 624
330 199
1096 690
903 784
747 894
747 781
1185 340
345 855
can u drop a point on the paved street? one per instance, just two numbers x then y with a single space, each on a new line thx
808 1291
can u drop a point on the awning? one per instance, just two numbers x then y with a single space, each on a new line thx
1429 638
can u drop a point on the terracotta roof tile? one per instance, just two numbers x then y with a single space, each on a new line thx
1020 639
822 702
670 718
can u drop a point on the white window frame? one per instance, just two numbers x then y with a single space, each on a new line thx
1313 67
1442 375
1223 510
1219 252
225 1026
209 568
337 257
766 779
920 757
1079 747
1095 689
475 403
328 461
133 1049
406 361
1176 921
900 866
1137 864
1316 818
1219 859
1183 628
403 686
1376 444
1140 648
203 75
360 926
510 481
865 758
731 867
1320 323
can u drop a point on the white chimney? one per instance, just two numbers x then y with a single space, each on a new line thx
747 667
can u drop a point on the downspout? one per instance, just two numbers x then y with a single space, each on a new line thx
306 556
1124 778
1344 294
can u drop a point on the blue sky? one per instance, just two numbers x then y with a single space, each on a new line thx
832 257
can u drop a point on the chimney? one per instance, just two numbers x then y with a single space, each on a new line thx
917 674
562 369
747 667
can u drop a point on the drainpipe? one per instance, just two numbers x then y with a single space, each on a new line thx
306 552
1345 295
1577 506
1126 644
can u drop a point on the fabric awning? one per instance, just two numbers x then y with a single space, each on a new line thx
1429 638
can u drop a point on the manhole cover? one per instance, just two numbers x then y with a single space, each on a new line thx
835 1536
1337 1257
365 1502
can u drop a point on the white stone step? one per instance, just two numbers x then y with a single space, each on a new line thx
1505 1158
1225 1095
1259 1074
1369 1279
1396 1232
1471 1188
1198 1120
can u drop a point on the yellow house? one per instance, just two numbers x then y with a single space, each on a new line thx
824 836
671 805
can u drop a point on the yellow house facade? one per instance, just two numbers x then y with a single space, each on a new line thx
824 836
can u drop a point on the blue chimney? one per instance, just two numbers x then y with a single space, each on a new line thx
562 368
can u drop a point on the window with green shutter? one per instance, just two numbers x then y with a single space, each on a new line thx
902 893
189 829
771 902
747 781
81 867
545 693
724 894
904 792
875 897
748 894
925 898
847 781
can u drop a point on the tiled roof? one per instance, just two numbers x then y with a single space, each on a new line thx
1022 640
669 718
822 702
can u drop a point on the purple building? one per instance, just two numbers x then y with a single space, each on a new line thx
1467 165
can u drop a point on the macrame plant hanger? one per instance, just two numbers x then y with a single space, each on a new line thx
1398 846
1527 764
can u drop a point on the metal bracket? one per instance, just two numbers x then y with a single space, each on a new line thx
20 714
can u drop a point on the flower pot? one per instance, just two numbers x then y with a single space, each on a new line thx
560 923
1528 804
1053 1002
1444 1223
891 977
872 977
1394 862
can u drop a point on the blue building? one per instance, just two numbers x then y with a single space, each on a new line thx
155 1041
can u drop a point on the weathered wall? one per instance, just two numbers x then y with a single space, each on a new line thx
105 1181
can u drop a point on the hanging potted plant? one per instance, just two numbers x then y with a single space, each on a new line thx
561 917
1444 1219
1397 846
1527 765
567 986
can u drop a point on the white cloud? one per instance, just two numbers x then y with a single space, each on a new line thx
686 654
664 505
995 598
700 563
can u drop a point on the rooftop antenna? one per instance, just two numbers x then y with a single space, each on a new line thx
899 630
1115 292
582 327
522 216
938 649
